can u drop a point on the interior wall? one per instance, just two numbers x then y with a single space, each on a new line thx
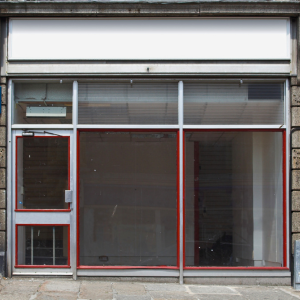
242 199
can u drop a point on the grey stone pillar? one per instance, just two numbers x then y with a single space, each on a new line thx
295 140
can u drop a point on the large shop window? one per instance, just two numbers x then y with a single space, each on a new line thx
134 145
234 197
128 198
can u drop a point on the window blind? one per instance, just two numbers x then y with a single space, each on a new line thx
126 103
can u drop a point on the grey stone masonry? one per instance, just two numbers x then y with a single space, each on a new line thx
295 163
3 133
295 146
295 151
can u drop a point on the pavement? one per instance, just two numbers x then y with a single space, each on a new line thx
67 289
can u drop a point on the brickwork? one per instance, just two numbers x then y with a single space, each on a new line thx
3 123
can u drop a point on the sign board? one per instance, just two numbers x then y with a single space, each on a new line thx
149 39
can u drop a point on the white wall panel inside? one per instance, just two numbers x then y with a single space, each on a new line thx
149 39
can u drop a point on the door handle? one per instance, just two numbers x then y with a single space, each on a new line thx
68 196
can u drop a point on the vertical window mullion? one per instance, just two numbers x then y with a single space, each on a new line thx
180 122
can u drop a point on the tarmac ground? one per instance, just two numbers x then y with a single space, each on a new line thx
67 289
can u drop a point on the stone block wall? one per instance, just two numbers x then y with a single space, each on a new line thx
295 163
3 178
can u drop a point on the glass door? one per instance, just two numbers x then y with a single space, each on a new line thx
42 199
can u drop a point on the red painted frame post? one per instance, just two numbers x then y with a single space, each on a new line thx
284 199
196 203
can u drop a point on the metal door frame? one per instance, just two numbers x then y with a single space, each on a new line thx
39 217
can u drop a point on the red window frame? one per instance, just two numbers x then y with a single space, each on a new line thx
16 176
78 204
284 219
41 266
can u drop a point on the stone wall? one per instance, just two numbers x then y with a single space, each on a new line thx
3 178
295 162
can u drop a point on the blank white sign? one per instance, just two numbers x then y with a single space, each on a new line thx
154 39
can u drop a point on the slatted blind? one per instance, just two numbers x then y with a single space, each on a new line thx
228 103
125 103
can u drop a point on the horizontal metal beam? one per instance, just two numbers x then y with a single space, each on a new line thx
42 218
42 272
42 126
221 127
236 273
128 272
145 69
148 8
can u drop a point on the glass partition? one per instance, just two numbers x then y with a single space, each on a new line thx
234 199
128 103
128 198
42 103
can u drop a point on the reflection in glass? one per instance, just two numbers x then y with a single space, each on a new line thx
128 199
234 199
42 172
43 245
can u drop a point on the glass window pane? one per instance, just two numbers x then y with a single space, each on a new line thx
125 103
42 103
42 172
233 200
128 199
233 103
43 245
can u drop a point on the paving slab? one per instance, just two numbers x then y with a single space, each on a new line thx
129 288
68 289
173 295
264 293
27 286
15 296
60 286
165 287
221 290
290 291
223 297
55 296
94 290
126 297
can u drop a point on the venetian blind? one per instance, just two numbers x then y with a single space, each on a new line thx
126 103
234 104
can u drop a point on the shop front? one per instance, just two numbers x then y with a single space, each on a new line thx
179 170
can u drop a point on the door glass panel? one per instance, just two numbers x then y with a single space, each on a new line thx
128 198
234 195
42 172
43 245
